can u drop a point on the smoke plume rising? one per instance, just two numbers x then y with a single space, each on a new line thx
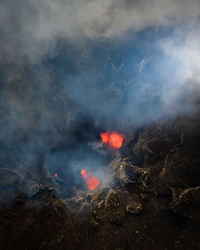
70 70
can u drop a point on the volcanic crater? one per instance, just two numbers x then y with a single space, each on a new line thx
148 196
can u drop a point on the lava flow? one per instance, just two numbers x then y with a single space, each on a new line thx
114 139
91 181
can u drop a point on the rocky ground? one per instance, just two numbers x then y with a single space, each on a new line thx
151 199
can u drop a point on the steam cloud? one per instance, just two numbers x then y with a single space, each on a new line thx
33 28
114 63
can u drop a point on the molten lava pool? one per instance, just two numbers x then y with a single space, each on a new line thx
91 181
113 140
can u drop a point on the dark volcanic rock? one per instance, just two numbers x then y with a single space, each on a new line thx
134 207
187 204
148 200
113 207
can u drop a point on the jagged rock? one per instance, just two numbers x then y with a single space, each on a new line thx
187 204
134 207
31 188
143 175
99 211
125 172
109 207
85 210
180 168
130 202
99 195
153 144
113 207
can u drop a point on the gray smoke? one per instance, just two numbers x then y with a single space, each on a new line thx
32 28
109 65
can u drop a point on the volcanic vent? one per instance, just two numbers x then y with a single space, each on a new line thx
81 163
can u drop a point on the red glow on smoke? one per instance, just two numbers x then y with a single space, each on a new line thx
56 175
91 181
114 139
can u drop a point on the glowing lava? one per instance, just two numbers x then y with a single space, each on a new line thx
91 181
114 139
104 137
84 174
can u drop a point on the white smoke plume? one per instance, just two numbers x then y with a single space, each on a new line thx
32 28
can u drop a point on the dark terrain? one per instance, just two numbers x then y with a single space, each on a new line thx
151 201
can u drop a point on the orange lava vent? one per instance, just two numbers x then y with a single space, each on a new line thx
91 181
114 139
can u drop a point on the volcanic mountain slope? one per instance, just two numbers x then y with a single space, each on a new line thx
151 199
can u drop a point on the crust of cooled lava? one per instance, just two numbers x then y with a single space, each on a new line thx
151 199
